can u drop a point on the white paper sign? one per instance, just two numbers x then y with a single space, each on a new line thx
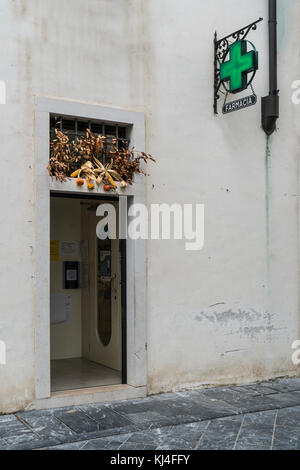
69 248
60 308
71 275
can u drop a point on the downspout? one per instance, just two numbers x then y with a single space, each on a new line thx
270 104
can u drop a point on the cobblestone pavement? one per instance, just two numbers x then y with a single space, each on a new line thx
251 417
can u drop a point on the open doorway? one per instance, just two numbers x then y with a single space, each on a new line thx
87 320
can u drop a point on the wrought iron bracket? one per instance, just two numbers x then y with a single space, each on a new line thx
221 49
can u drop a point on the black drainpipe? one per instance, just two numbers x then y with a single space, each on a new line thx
270 104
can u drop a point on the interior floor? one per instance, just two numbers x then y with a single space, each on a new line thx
73 374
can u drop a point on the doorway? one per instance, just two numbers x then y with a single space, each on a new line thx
87 319
134 285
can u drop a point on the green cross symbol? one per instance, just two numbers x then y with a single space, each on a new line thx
237 68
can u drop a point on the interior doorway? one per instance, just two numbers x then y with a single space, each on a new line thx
88 341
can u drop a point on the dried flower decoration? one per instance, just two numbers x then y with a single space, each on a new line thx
84 158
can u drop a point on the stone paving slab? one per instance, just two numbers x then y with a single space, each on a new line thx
257 431
256 389
257 416
221 434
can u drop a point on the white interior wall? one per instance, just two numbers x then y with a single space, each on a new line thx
65 222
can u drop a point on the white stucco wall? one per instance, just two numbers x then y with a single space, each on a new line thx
221 162
157 57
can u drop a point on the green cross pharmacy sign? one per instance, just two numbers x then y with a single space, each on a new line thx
237 68
236 63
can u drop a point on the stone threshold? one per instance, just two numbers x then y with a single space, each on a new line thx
88 396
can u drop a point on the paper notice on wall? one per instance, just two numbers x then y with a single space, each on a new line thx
60 308
71 275
105 265
69 248
54 250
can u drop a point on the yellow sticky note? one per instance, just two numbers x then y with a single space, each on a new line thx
54 250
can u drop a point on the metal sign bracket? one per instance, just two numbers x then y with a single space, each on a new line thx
221 49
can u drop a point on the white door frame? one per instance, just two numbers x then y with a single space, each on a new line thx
136 250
